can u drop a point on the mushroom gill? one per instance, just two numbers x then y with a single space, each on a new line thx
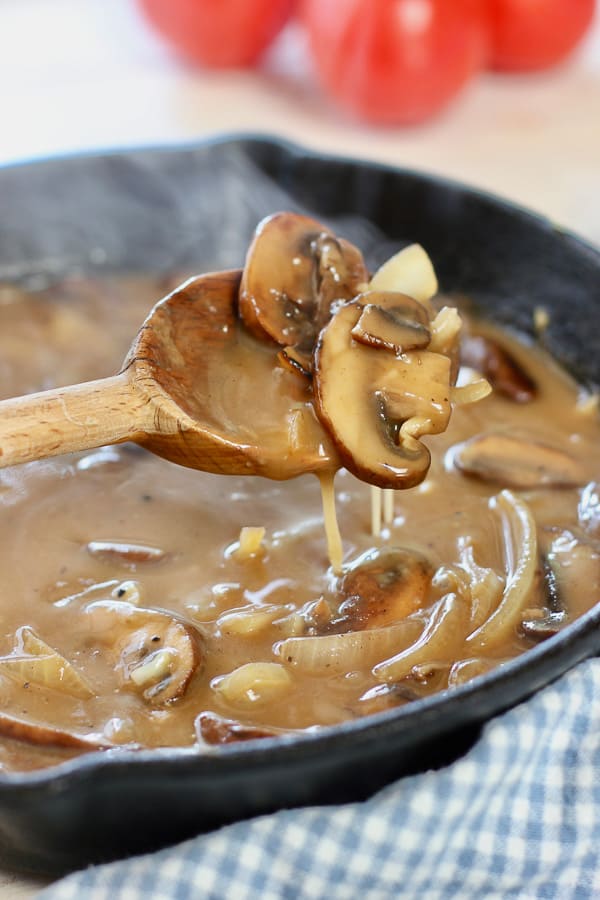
376 405
295 269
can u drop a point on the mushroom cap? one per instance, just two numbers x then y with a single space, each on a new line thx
517 462
501 369
295 269
212 729
155 652
376 405
49 736
384 587
392 321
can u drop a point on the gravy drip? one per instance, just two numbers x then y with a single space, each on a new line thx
119 525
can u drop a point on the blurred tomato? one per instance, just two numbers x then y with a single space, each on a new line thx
219 33
396 61
534 34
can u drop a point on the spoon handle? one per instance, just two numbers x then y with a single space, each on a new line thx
64 420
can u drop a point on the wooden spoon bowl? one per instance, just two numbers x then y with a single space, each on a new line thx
195 388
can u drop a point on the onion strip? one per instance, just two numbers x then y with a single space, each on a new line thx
470 393
445 328
447 622
336 654
485 585
465 670
520 548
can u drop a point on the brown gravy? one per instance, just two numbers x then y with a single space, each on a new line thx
81 537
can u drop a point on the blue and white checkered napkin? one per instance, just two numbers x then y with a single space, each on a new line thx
518 816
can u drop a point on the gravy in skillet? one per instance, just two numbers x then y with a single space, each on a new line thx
146 605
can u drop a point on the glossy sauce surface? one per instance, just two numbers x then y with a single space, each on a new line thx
82 536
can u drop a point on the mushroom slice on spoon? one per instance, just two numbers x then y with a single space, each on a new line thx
392 321
295 270
377 405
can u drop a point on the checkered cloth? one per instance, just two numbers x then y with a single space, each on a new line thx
518 816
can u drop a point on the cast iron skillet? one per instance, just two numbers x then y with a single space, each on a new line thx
158 209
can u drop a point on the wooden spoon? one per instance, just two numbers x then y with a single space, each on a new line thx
170 397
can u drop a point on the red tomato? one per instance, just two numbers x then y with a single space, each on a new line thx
396 61
534 34
219 33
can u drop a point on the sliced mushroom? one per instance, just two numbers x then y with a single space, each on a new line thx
383 588
540 624
295 270
125 553
34 661
504 373
153 651
387 696
516 462
376 405
544 622
48 736
392 321
214 729
575 565
297 359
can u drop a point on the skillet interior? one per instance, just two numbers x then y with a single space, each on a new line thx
154 210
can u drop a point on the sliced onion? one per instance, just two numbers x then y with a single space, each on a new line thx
447 624
36 661
253 683
521 555
470 393
250 620
445 328
336 654
485 585
409 271
250 542
466 669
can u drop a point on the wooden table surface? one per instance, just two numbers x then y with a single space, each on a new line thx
83 74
